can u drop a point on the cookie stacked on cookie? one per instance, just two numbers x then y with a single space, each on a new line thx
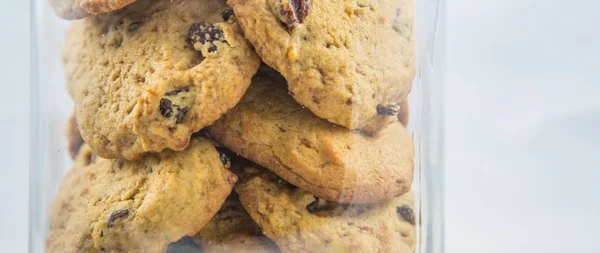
174 111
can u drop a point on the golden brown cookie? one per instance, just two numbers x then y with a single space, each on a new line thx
299 222
232 230
142 206
146 77
332 162
347 61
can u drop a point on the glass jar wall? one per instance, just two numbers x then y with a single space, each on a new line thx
237 126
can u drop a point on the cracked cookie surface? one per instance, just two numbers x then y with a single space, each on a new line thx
142 81
332 162
348 61
299 222
142 206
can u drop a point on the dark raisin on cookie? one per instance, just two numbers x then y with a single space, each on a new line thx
226 14
312 207
224 157
117 215
181 112
388 110
169 109
406 213
205 34
166 107
292 12
175 92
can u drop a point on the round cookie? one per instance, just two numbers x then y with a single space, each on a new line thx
76 9
232 230
142 206
334 163
146 77
347 61
299 222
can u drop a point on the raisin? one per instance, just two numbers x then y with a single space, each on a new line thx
224 157
205 34
388 110
175 92
117 215
180 115
226 14
312 207
293 12
166 107
406 213
134 26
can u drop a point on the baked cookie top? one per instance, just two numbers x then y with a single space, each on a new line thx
146 77
76 9
300 222
332 162
142 206
347 61
232 230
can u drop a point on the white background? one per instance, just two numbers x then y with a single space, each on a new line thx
523 115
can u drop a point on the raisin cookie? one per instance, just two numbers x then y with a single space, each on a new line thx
76 9
142 206
332 162
232 230
347 61
300 222
146 77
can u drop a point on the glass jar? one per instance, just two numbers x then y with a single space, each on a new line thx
263 125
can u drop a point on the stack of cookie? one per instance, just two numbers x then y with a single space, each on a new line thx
183 141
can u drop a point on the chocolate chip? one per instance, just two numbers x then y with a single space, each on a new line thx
293 12
312 207
224 157
406 213
117 215
388 110
134 26
226 14
166 107
205 33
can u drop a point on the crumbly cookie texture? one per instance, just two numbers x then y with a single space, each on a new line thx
232 230
146 77
348 61
74 139
332 162
77 9
142 206
300 222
